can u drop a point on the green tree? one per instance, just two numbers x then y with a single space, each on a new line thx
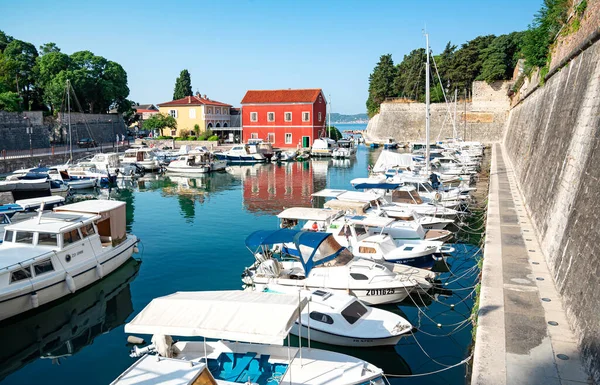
49 66
541 33
500 57
160 122
468 62
4 40
19 59
10 102
381 83
409 82
48 48
183 85
334 133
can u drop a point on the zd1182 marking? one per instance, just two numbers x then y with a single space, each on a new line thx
380 291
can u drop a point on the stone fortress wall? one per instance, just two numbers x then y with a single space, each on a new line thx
552 139
485 117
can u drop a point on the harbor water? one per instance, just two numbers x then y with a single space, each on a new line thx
192 233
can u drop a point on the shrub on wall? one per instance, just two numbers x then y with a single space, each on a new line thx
213 138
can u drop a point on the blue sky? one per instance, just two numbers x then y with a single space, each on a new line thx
230 47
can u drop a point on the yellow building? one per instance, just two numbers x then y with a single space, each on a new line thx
191 110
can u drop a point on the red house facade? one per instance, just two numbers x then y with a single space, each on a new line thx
286 118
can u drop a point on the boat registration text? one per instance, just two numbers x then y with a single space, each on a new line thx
380 291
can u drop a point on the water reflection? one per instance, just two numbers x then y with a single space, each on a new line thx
64 329
269 188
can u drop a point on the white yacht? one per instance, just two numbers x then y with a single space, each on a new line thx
257 356
241 154
345 149
316 260
342 319
143 157
53 255
323 147
196 163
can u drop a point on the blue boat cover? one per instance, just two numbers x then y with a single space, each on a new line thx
383 186
303 240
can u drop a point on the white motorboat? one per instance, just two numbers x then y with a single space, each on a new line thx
342 319
241 154
258 322
53 255
390 144
323 147
106 162
144 157
196 163
345 149
285 156
25 209
316 260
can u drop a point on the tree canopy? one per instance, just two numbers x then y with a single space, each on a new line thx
488 58
183 85
38 78
160 122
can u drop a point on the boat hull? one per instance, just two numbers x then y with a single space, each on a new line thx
240 158
341 340
56 287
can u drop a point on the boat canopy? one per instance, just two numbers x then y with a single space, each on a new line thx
314 248
369 220
358 208
308 214
372 184
389 159
329 193
356 196
230 315
112 217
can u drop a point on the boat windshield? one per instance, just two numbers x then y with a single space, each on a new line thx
354 311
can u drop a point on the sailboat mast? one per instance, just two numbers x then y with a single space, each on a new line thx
69 120
427 106
329 117
454 122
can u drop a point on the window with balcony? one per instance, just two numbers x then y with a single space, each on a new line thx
254 116
287 116
305 116
217 110
270 116
209 110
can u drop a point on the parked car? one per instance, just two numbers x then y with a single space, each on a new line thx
86 143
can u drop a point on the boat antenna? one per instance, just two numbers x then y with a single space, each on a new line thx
40 211
427 150
329 116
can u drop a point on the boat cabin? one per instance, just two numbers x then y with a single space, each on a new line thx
289 218
345 143
134 155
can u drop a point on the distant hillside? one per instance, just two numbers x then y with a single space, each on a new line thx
356 118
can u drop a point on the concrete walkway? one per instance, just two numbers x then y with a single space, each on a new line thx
522 336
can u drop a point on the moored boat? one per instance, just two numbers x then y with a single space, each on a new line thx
256 357
53 255
196 163
241 154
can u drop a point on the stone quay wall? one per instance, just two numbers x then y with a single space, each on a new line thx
553 141
485 117
14 126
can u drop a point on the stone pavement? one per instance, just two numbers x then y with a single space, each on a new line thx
522 335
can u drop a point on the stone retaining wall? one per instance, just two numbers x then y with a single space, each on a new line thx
553 142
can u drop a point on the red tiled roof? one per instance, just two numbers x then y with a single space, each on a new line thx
281 96
193 101
139 110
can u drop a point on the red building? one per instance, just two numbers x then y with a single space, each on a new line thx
285 118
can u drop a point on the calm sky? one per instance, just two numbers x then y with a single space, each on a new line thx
230 47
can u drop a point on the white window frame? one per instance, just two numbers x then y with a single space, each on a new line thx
271 135
307 115
288 138
254 135
225 111
173 113
319 116
217 111
254 116
285 115
192 113
270 120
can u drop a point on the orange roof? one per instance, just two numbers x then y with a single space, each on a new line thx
281 96
193 101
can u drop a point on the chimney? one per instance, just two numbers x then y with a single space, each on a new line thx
189 99
205 96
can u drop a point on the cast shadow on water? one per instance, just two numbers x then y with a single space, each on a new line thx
59 330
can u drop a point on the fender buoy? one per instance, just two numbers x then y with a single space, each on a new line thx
99 271
35 301
70 283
